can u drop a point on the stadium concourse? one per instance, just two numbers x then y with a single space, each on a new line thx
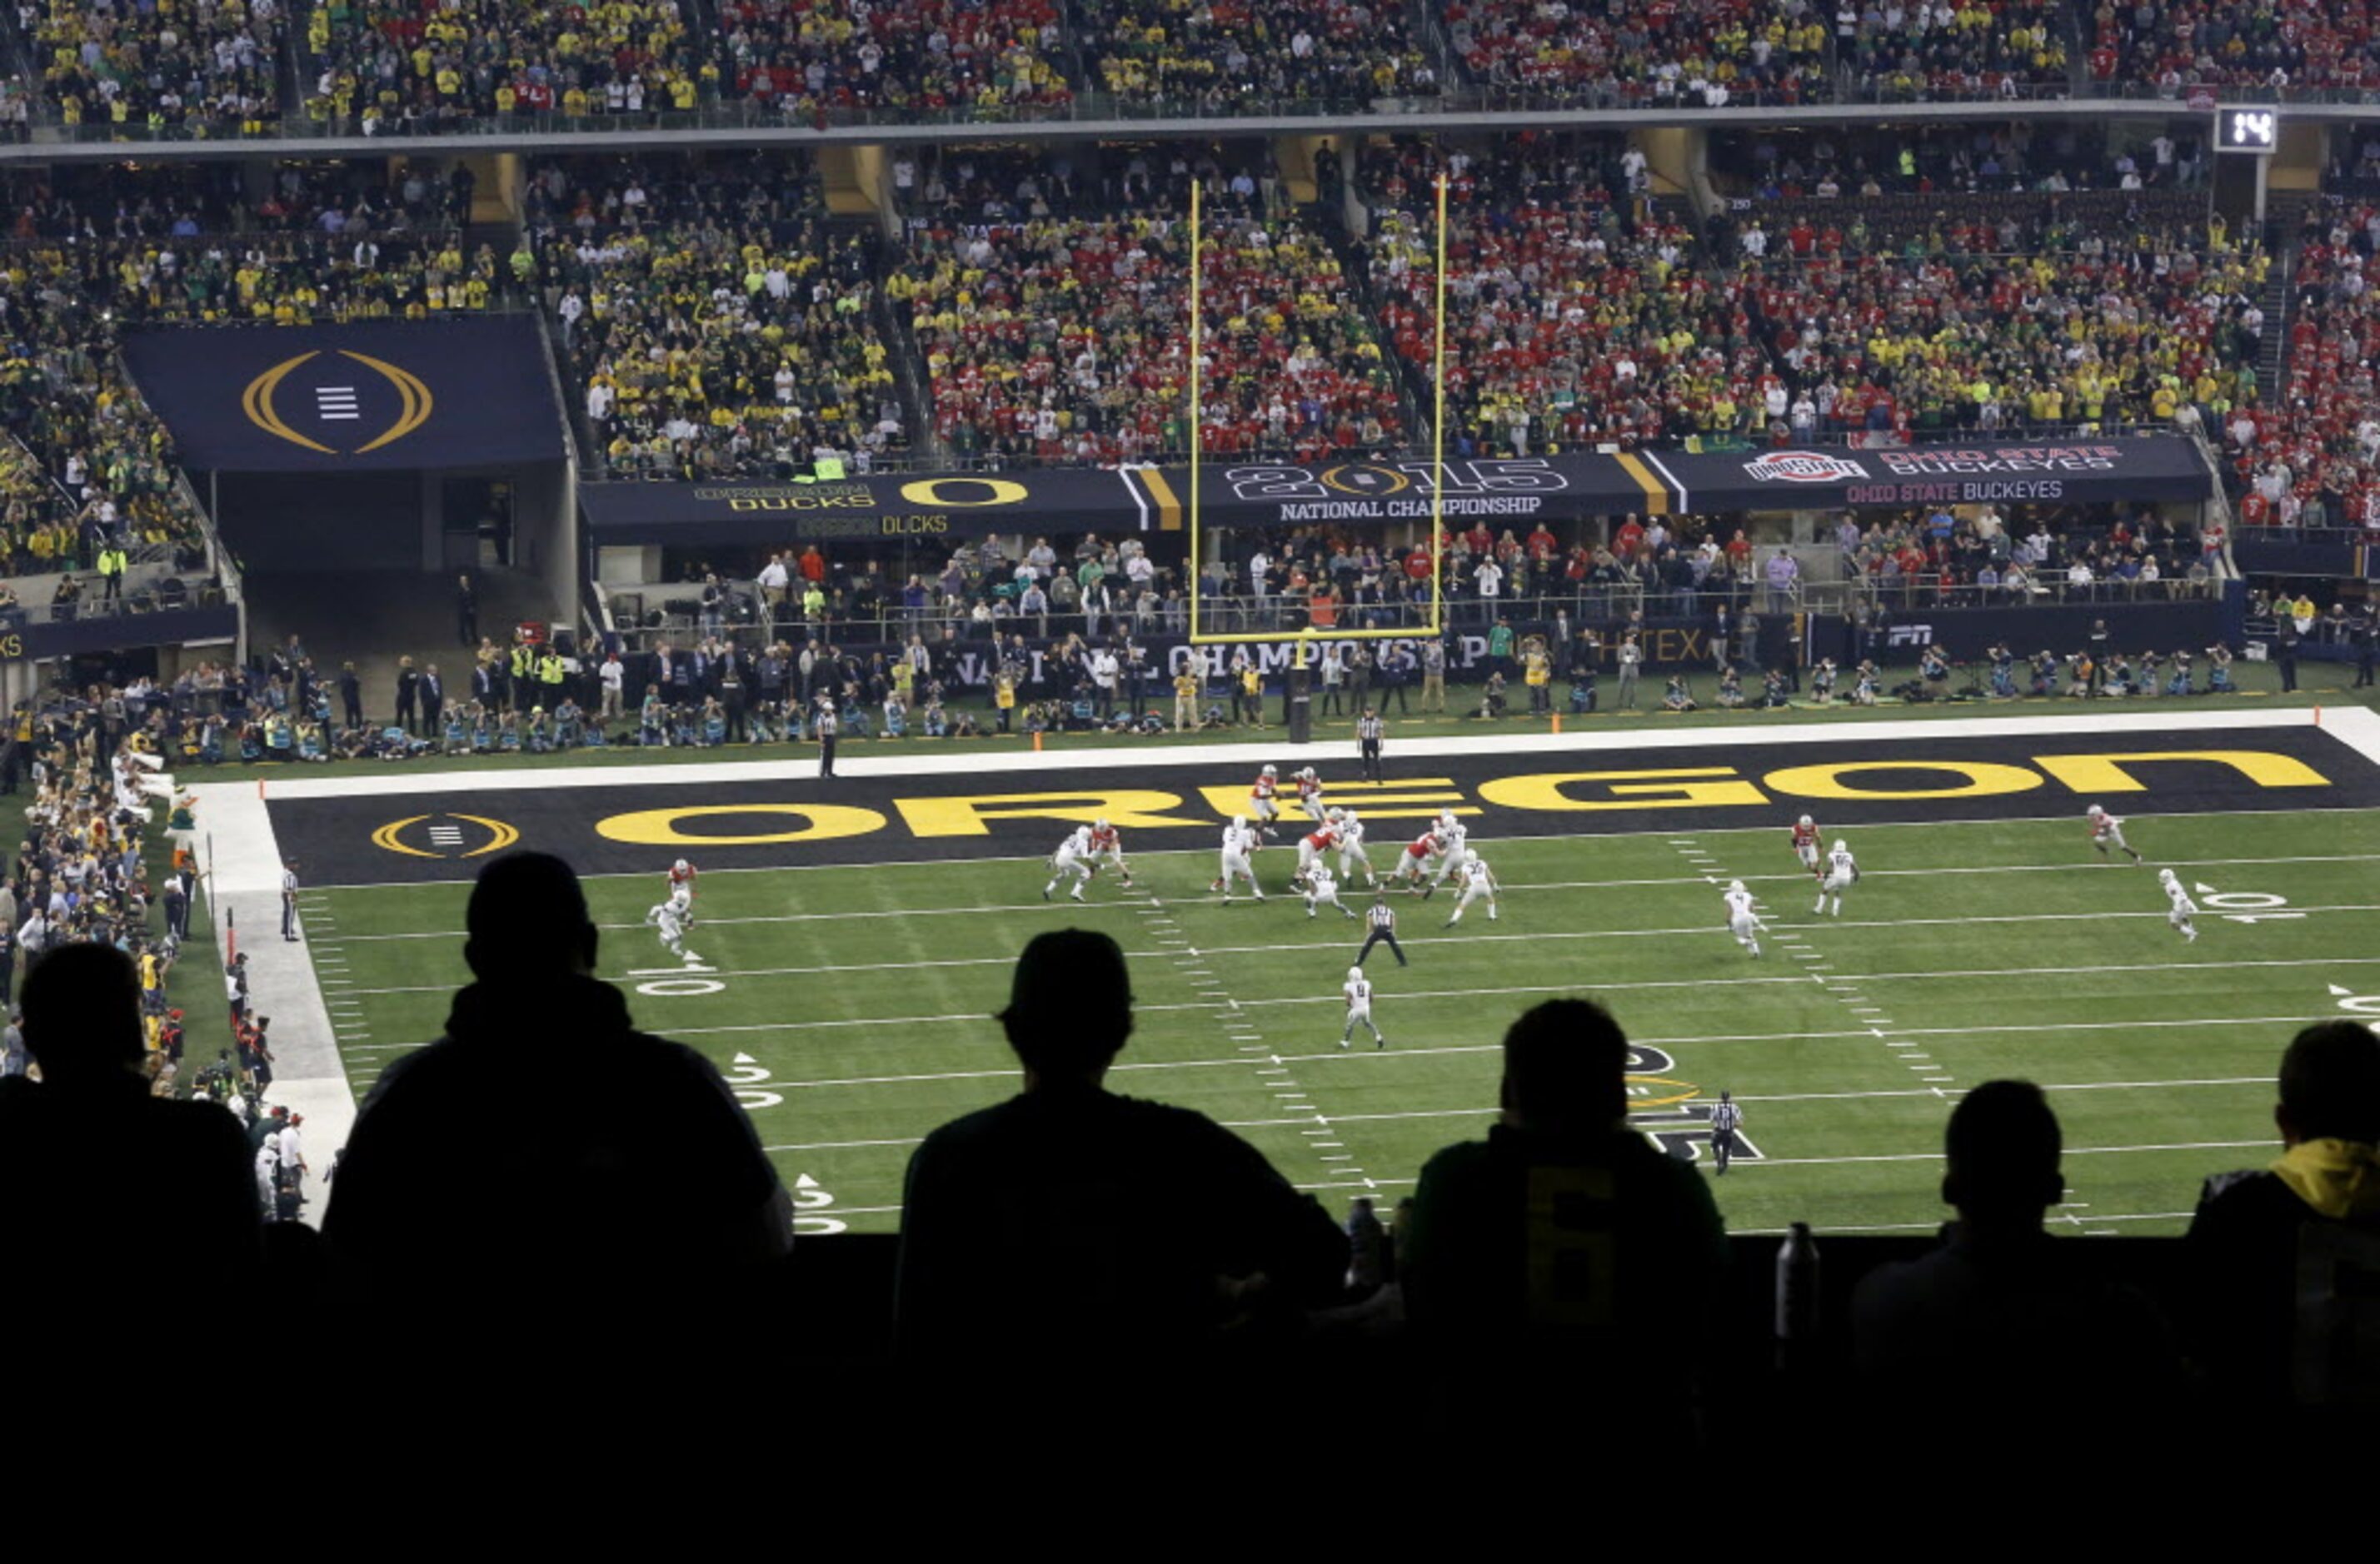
1611 849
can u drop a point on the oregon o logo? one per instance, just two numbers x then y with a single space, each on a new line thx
336 404
444 836
959 491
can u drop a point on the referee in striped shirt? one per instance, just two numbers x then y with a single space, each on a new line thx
1368 731
1383 919
1726 1119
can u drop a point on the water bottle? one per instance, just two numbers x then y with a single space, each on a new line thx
1797 1298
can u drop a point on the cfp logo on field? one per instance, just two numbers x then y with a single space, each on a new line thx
333 398
1802 466
1909 636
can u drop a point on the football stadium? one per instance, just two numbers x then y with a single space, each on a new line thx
1436 687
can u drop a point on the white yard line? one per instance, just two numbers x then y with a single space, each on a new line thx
2080 867
1844 981
1486 1113
1860 1033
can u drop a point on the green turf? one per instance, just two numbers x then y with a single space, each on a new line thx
861 999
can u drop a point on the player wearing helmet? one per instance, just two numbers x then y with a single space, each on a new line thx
1073 857
1741 920
1239 847
1807 846
1841 874
1262 798
1351 855
2107 831
1358 992
1478 881
2184 912
1309 796
672 924
1321 889
1106 846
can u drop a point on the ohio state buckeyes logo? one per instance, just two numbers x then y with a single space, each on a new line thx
1802 466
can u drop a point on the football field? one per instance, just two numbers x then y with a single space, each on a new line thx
846 978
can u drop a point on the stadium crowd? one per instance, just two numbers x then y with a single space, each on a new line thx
718 328
1582 312
161 72
1933 51
402 67
1067 338
2313 459
1242 56
1645 54
2173 47
810 58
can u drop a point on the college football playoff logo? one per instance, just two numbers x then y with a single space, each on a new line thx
332 397
1802 466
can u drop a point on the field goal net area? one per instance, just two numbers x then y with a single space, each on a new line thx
1235 599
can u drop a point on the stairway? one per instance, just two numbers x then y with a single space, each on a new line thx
2283 212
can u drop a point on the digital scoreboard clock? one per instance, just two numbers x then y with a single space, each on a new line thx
2247 130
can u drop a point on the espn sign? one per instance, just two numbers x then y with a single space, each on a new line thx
1909 636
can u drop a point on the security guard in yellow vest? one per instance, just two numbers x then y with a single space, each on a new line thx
550 675
524 667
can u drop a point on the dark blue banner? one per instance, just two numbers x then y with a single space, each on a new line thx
373 396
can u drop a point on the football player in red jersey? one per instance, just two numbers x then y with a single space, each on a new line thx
1106 846
1313 849
1261 801
1309 793
1805 846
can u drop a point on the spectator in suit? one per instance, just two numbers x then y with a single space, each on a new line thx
408 688
433 700
1026 1232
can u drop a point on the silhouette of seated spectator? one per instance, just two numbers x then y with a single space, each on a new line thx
117 1200
2286 1258
543 1160
2002 1314
1564 1245
1071 1220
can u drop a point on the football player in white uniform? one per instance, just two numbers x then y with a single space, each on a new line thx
1478 881
1358 991
1453 851
1741 920
1841 873
1351 855
2108 832
666 919
1073 857
1238 844
1321 890
2184 909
